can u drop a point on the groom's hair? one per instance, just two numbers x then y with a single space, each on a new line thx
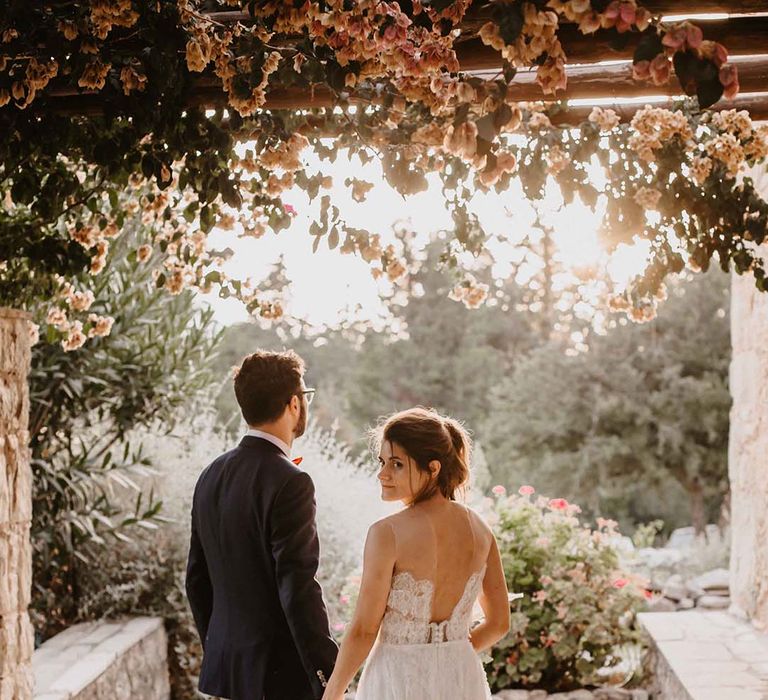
265 383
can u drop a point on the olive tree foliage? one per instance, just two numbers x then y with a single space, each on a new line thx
634 424
97 98
89 475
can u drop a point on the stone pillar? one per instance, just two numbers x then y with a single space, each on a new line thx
16 635
748 450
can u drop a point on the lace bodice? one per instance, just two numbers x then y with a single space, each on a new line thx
409 609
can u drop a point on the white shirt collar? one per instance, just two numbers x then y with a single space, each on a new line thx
252 432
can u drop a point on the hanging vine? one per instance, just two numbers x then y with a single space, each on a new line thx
99 100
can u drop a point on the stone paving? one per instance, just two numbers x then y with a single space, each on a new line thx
124 660
708 656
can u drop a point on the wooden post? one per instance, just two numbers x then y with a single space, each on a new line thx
16 635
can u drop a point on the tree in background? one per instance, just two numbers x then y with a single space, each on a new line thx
329 354
85 400
630 428
451 356
436 352
643 411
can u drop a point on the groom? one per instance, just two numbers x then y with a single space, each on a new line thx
254 550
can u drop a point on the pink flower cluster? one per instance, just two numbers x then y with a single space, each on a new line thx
687 37
470 292
623 15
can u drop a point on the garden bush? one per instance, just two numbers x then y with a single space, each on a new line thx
85 402
577 615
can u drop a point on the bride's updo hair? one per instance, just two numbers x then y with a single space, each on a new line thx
426 435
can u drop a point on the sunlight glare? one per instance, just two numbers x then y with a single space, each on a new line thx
628 261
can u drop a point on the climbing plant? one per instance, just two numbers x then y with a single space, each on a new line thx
170 100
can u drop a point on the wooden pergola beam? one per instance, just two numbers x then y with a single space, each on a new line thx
658 7
756 105
743 36
616 81
584 82
479 13
587 82
702 7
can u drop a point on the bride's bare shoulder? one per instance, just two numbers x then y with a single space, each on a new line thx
479 522
380 541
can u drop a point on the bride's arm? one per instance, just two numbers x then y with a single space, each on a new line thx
378 563
495 604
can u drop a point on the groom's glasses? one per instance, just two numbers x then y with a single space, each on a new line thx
310 394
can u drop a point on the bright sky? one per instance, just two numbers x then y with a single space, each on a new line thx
327 283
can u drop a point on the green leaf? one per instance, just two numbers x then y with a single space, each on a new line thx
510 20
648 48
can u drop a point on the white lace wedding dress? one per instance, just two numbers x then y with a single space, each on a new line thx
416 659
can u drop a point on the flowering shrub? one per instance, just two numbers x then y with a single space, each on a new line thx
179 452
89 471
578 607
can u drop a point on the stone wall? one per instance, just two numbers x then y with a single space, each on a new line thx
125 660
16 635
748 450
707 655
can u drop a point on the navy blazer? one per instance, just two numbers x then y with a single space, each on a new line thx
251 582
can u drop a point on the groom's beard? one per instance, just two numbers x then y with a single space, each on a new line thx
301 424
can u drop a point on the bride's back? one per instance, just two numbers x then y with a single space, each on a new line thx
444 543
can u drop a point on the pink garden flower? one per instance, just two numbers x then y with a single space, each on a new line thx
499 490
526 490
557 504
606 523
620 582
290 210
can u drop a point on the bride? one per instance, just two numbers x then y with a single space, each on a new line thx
423 570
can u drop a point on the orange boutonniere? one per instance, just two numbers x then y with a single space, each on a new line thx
297 460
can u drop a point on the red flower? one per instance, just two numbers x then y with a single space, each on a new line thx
289 210
297 460
558 504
